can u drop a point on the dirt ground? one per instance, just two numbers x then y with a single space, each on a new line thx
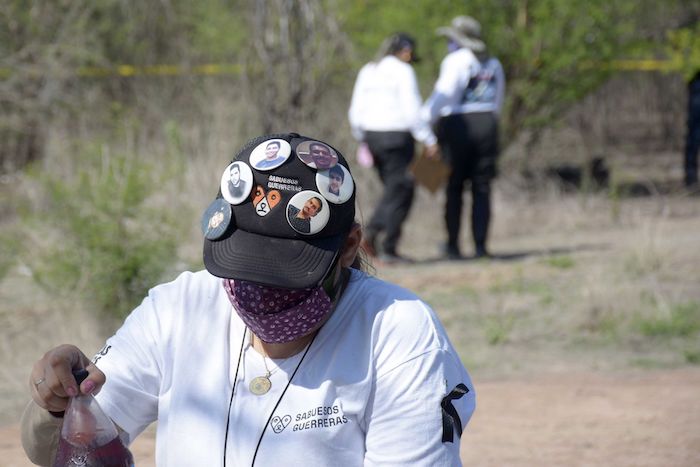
650 419
581 419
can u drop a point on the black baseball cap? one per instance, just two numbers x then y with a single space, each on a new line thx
274 221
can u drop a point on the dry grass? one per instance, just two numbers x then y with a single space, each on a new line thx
574 281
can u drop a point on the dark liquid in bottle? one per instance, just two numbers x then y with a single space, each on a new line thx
112 454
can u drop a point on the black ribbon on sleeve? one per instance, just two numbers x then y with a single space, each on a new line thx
450 416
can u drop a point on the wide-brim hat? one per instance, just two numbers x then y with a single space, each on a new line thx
276 221
465 31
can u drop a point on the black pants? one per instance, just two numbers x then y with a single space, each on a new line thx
393 153
469 144
692 144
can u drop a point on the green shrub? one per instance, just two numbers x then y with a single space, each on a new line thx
683 320
102 235
692 356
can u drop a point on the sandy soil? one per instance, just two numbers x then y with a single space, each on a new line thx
581 419
649 419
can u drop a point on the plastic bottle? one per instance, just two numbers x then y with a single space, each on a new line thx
89 438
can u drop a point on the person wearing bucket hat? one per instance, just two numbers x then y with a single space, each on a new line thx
464 31
281 348
385 116
464 108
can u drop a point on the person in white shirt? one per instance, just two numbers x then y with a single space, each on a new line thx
464 107
385 114
281 352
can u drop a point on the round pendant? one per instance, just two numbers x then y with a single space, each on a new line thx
260 385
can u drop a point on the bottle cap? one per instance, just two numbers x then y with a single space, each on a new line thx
80 375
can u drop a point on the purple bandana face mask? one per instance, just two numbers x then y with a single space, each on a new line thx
278 315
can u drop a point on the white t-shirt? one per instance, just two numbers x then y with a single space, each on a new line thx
369 391
386 98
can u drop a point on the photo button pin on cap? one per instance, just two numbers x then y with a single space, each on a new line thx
216 219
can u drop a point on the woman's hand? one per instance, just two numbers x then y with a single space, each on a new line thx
432 152
52 383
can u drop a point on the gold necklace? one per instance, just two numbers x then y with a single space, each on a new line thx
260 385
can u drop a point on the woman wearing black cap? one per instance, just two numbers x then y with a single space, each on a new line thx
280 351
385 114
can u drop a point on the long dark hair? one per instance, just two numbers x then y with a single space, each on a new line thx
395 44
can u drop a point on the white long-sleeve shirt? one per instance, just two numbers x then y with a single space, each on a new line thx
465 85
386 98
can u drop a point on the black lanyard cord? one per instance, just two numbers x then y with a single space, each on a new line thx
280 399
233 391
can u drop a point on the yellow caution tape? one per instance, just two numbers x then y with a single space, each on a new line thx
642 65
161 70
152 70
235 69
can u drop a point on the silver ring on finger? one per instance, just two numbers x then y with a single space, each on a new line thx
39 381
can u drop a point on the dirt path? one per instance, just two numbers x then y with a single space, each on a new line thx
640 419
648 419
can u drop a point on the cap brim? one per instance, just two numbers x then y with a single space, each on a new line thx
284 262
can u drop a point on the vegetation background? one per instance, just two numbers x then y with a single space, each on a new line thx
116 115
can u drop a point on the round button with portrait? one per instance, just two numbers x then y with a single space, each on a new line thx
317 155
270 154
236 182
335 184
308 212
